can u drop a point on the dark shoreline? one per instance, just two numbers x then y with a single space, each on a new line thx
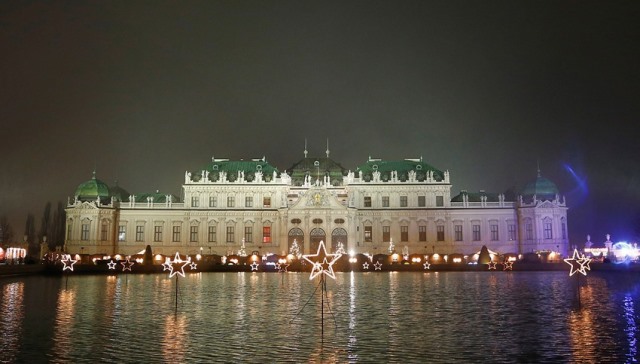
56 269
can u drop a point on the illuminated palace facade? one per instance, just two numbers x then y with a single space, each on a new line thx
404 202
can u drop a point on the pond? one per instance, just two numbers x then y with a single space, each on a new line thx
370 317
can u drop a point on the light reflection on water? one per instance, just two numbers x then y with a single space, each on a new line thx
438 317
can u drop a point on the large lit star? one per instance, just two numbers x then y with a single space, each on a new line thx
322 262
112 264
508 265
492 265
378 265
579 263
68 262
177 265
126 265
254 266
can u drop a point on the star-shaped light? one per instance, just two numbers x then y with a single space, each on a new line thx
193 266
378 265
68 262
322 262
126 265
167 264
426 265
365 265
112 264
579 263
254 266
277 266
492 265
282 268
177 265
508 265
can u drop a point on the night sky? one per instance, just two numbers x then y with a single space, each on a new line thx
144 90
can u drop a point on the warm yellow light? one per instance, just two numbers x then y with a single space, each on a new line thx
436 256
118 257
158 257
198 257
290 257
282 260
254 258
394 257
512 259
353 260
139 260
457 260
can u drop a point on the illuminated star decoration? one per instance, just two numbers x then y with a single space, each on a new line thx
281 268
426 265
365 265
277 266
166 265
254 266
193 266
112 264
68 262
177 265
508 265
378 265
127 265
579 263
492 265
321 263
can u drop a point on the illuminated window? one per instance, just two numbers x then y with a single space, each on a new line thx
458 232
193 234
248 234
213 201
529 231
211 236
476 233
176 234
231 234
386 233
84 234
157 233
403 201
422 233
368 233
548 233
104 231
231 201
404 233
195 201
440 232
422 201
122 232
140 233
367 201
385 201
248 201
512 232
266 234
494 232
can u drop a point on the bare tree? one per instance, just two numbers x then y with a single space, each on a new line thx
6 233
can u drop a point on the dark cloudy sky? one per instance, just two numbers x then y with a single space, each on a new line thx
144 90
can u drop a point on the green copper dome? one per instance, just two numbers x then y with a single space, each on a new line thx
93 189
542 188
249 168
402 167
316 169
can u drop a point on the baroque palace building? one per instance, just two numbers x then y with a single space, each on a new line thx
405 203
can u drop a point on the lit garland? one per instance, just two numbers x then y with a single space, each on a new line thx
254 266
127 265
177 265
67 262
377 265
322 265
112 265
579 263
365 265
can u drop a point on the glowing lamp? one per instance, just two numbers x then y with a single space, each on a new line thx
353 260
394 257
